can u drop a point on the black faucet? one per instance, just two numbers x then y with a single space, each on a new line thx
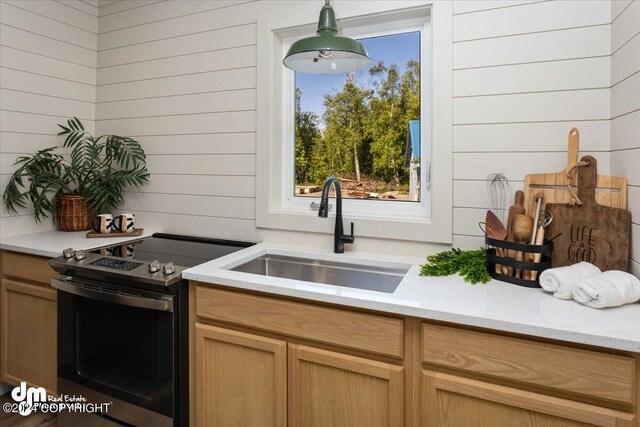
339 239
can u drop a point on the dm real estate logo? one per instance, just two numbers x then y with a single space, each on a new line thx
30 399
27 398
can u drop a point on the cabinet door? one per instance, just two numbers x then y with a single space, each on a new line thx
449 400
240 379
29 331
332 389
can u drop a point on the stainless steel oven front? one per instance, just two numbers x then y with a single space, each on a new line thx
122 345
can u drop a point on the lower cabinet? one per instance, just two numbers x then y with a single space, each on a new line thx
240 379
29 334
334 389
450 400
243 379
392 372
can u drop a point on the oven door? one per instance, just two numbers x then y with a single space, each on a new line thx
120 347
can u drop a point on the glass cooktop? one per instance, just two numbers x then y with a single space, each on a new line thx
185 251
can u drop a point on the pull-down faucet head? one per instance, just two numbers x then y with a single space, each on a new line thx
323 212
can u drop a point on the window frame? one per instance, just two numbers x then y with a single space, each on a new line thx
276 205
358 208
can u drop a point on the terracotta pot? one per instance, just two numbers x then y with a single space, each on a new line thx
72 213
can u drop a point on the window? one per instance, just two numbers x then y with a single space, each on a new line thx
404 187
345 126
363 127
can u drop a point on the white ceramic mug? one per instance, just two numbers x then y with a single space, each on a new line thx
129 251
106 251
102 223
123 251
125 223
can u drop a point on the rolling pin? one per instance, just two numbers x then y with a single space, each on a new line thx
537 257
534 232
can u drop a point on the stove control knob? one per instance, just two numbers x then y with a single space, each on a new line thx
79 255
168 268
154 266
67 253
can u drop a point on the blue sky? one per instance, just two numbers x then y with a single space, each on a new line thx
394 49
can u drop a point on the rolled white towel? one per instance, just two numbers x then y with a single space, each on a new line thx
609 289
560 279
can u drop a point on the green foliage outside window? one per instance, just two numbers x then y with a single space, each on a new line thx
365 129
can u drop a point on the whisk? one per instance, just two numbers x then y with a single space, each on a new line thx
499 195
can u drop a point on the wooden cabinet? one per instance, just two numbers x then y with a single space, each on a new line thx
28 316
333 389
558 368
345 328
449 400
240 379
27 268
356 368
249 379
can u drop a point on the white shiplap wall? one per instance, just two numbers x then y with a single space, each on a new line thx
48 54
180 77
625 109
525 72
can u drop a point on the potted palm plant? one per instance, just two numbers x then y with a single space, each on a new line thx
72 188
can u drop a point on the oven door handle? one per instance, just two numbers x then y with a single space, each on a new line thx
159 304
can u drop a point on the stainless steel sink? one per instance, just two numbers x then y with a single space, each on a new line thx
350 275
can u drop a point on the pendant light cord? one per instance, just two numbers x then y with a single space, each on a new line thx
327 2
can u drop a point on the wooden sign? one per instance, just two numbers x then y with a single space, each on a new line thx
590 232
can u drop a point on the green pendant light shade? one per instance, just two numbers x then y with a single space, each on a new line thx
326 52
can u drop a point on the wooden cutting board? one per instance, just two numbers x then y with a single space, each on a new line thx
136 232
610 190
590 232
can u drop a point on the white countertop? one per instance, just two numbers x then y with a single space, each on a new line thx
497 305
52 243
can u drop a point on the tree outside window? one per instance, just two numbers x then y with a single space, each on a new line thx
358 126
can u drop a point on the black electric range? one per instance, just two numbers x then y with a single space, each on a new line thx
123 328
151 263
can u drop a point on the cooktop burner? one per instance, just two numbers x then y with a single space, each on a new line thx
146 263
184 251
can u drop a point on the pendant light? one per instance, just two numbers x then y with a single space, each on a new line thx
326 52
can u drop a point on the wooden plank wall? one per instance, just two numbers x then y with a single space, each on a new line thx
181 78
525 72
625 109
47 74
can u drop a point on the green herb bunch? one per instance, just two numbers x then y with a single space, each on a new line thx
471 265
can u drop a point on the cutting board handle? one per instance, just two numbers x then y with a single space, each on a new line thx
574 146
587 176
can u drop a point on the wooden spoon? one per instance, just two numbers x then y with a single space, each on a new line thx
516 209
495 230
522 229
